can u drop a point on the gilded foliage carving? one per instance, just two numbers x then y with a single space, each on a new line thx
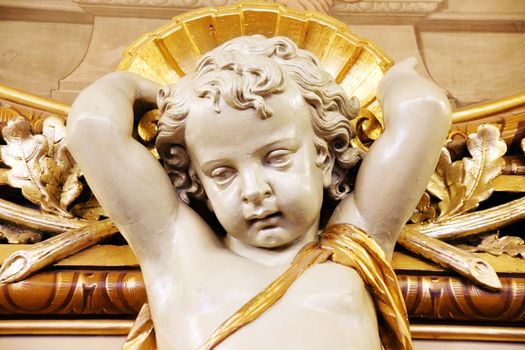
461 181
496 245
368 128
121 292
424 211
40 165
459 186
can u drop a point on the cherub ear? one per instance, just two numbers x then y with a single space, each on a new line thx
326 164
327 175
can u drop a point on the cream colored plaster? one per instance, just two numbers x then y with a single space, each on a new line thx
35 55
489 7
476 67
58 5
111 36
397 41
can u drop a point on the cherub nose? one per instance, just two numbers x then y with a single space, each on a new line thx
255 188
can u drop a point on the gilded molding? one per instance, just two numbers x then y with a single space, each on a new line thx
121 292
445 298
122 327
65 327
467 332
487 109
30 105
78 292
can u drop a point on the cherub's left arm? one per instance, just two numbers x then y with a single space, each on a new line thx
398 166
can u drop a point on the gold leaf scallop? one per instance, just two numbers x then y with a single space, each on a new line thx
170 52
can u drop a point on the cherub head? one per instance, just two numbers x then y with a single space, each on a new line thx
263 87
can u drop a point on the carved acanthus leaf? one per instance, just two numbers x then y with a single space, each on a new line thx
468 181
457 187
495 245
437 185
40 165
424 210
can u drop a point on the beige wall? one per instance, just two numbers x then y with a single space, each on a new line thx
473 49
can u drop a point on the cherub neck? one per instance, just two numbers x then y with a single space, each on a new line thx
270 257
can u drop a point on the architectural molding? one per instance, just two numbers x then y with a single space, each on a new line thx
58 11
387 7
145 8
168 8
122 326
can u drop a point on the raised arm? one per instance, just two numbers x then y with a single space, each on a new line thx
398 166
128 181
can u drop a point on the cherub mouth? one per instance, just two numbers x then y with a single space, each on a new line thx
265 220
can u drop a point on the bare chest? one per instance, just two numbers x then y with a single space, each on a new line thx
326 307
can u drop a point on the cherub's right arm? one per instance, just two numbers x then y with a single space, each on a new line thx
129 182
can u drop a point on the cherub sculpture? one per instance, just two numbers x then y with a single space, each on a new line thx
262 134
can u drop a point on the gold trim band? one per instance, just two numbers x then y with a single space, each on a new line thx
63 327
470 113
122 327
465 332
33 101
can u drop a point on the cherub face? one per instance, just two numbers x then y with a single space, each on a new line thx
260 175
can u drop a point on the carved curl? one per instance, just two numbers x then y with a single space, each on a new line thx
242 72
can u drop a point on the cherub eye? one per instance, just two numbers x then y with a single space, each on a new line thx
222 175
279 158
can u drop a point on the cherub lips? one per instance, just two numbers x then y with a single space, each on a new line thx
265 220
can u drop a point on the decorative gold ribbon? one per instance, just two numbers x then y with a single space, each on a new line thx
346 245
142 335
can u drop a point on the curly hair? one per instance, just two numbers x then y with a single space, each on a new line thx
243 71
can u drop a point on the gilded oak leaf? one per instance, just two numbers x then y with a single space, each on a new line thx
89 210
463 184
424 210
40 165
437 186
495 245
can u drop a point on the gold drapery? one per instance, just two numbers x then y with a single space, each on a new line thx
142 335
346 245
343 244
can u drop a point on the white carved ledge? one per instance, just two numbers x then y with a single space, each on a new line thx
387 8
167 8
145 8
